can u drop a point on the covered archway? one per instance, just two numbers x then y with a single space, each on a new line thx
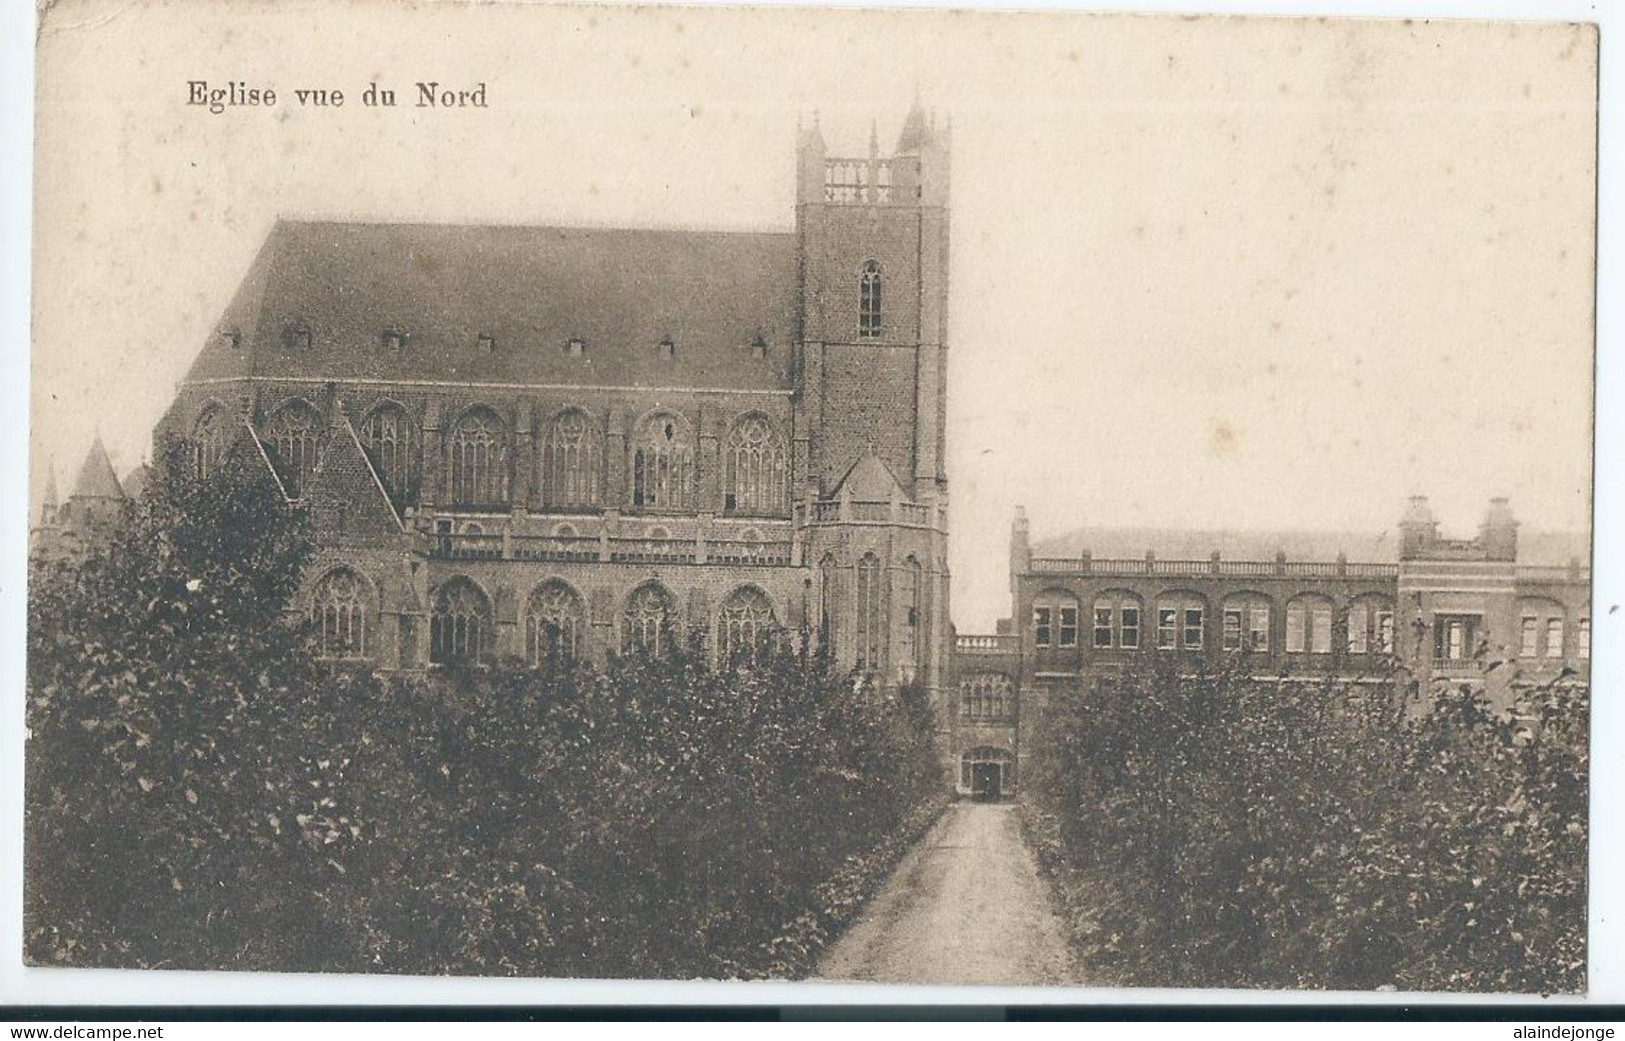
987 773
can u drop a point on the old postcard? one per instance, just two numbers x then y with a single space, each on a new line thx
906 496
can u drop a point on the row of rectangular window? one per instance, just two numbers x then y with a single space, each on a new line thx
1308 630
1530 642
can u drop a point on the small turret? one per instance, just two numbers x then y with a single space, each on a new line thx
97 478
916 132
1498 531
48 508
1021 551
1418 528
810 153
96 505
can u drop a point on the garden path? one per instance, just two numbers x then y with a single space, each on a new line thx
966 905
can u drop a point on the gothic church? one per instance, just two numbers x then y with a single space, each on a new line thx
545 441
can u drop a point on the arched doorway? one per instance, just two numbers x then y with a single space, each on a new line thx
987 773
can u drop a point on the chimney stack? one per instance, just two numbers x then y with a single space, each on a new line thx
1498 532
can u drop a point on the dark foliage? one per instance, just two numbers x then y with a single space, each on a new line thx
203 793
1214 830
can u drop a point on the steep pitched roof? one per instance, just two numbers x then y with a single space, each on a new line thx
870 480
914 132
1534 547
97 480
530 289
344 476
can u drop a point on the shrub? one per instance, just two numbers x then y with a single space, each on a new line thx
202 794
1317 833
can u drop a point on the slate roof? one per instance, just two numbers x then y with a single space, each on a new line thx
871 480
97 479
1534 547
531 289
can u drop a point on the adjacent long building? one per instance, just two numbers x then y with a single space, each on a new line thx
1437 609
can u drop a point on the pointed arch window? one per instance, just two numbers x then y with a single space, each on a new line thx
870 313
828 575
570 469
757 468
870 612
554 620
460 626
749 625
909 600
210 440
478 460
393 443
294 438
338 611
663 464
649 621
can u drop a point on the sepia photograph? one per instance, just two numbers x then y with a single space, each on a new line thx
931 497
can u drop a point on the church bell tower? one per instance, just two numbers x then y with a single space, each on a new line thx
871 395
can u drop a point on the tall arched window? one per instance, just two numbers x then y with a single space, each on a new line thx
210 439
828 579
757 468
460 625
477 454
393 444
870 612
909 593
663 464
571 461
338 609
748 625
869 302
554 620
649 622
294 436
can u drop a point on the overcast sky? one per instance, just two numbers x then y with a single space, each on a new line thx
1206 272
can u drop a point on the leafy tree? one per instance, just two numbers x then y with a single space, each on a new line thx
203 793
174 717
1316 832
